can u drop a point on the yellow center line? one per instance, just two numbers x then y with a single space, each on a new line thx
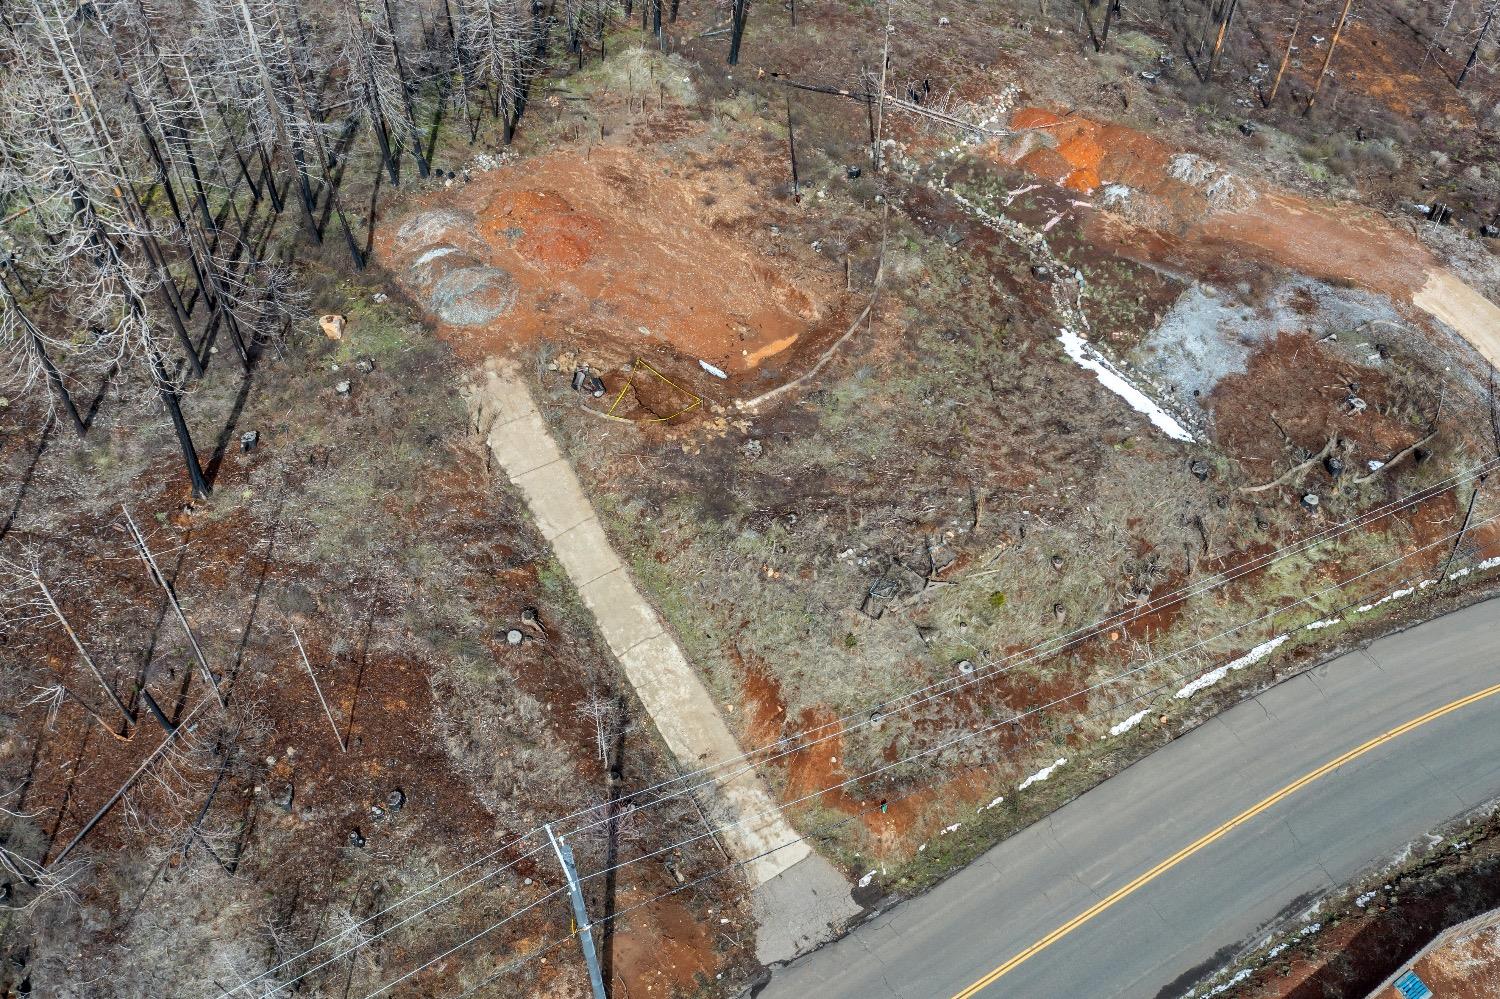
1217 834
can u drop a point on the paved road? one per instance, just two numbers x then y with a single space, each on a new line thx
1157 940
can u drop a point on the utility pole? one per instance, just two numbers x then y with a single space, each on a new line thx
580 913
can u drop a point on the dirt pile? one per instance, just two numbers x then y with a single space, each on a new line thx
620 256
1167 206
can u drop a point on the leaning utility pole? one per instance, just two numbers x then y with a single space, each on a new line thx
580 913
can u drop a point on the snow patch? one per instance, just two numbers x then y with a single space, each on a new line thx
1277 950
1237 979
1041 774
1365 899
1129 723
1488 563
1085 355
1327 622
1250 658
992 804
1309 929
1400 594
864 882
949 829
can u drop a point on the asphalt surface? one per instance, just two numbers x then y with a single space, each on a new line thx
1158 940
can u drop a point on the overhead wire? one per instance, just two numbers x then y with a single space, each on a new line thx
929 751
943 687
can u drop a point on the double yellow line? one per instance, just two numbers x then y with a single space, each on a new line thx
1217 834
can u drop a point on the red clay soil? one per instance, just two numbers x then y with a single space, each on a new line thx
1339 243
1296 384
620 254
663 949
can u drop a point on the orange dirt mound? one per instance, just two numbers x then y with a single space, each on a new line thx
629 256
1332 242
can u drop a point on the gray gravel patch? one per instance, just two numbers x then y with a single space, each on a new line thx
473 296
1210 333
441 225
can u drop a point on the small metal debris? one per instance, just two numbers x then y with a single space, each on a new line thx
580 377
364 365
752 449
356 839
1247 128
853 172
343 387
377 813
1334 464
1057 562
965 667
1311 501
1041 272
513 637
395 799
1149 76
249 439
1199 468
1489 231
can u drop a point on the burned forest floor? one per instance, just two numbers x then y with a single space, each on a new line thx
995 456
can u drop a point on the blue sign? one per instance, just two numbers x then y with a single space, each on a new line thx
1412 987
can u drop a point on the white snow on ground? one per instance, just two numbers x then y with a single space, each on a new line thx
1365 899
992 804
1488 563
1237 979
1327 622
864 882
1309 929
1277 950
1394 595
1250 658
1129 723
1041 774
1086 356
952 828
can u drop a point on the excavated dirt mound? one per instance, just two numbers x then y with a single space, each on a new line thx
1188 213
618 255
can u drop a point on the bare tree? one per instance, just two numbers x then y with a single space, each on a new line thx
1333 43
601 711
739 14
30 600
1484 31
497 43
17 868
369 48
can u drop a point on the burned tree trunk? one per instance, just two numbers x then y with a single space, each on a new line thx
739 12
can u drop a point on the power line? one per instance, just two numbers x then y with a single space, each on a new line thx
1334 587
944 687
849 818
1081 692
